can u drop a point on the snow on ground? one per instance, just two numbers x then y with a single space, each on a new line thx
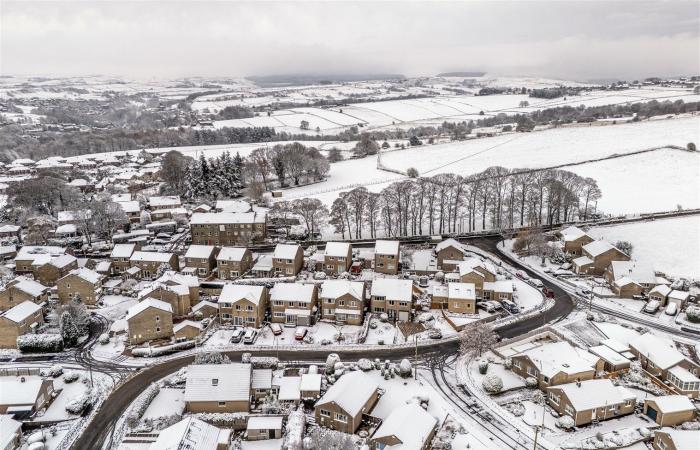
112 350
57 409
169 401
115 306
510 379
625 426
670 245
617 332
267 444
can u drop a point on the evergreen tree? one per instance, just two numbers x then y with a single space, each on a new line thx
69 330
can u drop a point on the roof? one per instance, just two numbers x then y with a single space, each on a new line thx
199 251
336 288
226 218
615 345
171 277
624 281
169 200
682 439
265 422
231 293
461 291
410 424
293 291
678 295
122 250
9 228
202 304
263 264
591 394
288 388
286 251
10 428
261 379
582 261
661 351
68 228
393 289
637 271
499 286
473 263
20 312
661 289
178 289
608 354
596 248
310 382
337 249
31 252
189 433
572 233
151 256
233 206
218 382
555 357
14 391
29 286
148 303
351 392
673 403
86 274
186 323
449 243
382 247
683 374
130 206
231 254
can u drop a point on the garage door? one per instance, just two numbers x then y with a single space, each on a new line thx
651 412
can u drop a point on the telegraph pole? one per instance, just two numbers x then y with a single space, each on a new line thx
415 358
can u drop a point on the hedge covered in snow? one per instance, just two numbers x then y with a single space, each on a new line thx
40 343
80 403
165 350
141 405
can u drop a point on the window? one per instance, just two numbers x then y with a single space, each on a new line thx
532 371
214 381
157 329
238 307
569 410
249 308
222 404
554 398
324 413
341 417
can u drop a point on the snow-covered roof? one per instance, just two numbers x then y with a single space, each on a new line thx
171 277
572 233
591 394
288 388
555 357
336 288
410 424
186 323
218 382
86 274
473 263
151 256
231 293
286 251
226 218
178 289
231 254
293 291
263 264
624 281
679 295
498 286
10 428
673 403
350 392
20 312
29 286
661 289
608 354
202 304
20 390
599 247
169 200
121 197
661 351
9 228
131 206
683 374
31 252
582 261
68 228
449 243
393 289
264 423
462 291
261 379
148 303
637 271
615 345
190 433
383 247
310 382
682 439
63 261
233 206
337 249
199 251
122 250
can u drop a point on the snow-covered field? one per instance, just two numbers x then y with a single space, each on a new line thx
671 245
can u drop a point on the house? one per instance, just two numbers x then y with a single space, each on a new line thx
474 270
555 363
680 298
8 252
29 253
187 330
121 256
294 303
393 297
205 309
461 298
674 439
261 383
669 410
228 229
287 388
263 267
201 258
337 258
596 257
82 283
48 272
386 257
11 432
218 388
449 253
20 319
192 434
10 231
342 301
407 427
497 290
233 262
660 358
232 206
310 386
24 395
642 274
172 278
177 295
612 360
343 404
626 287
288 259
659 293
264 427
22 289
243 304
148 320
132 209
150 263
591 400
574 238
165 207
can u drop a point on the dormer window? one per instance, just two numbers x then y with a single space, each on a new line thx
214 381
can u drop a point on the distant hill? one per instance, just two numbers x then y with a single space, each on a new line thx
461 74
306 79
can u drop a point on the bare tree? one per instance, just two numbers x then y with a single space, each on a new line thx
477 339
313 211
172 170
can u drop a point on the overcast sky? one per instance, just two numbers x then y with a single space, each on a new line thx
565 39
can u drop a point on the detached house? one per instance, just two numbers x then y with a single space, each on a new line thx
555 363
20 319
148 320
596 256
218 388
192 434
641 274
461 298
149 263
342 301
591 400
294 303
337 258
22 289
83 283
386 257
233 262
228 229
48 272
176 295
449 254
242 304
574 239
288 259
201 259
408 426
121 256
342 406
675 439
393 297
29 253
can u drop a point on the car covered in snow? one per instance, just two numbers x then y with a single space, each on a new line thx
300 333
536 282
522 275
672 309
652 307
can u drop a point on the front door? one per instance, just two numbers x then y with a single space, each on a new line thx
651 412
237 320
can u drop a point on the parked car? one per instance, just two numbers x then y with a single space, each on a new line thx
486 306
300 333
250 336
237 335
672 309
583 292
495 304
276 329
435 334
522 275
652 307
548 292
536 282
510 306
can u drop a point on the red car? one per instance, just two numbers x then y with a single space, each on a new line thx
548 292
300 333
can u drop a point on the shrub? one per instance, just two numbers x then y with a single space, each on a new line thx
40 343
405 369
331 361
483 367
693 314
566 422
71 376
365 364
104 339
80 403
493 384
531 382
55 371
141 405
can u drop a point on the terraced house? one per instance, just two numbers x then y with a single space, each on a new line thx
228 228
243 305
121 257
47 271
150 263
343 301
29 253
232 262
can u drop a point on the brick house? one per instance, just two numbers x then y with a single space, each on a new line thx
659 293
187 330
148 320
386 257
206 309
461 298
171 278
22 289
596 256
626 287
642 274
234 262
555 363
393 297
243 305
574 238
201 258
31 393
176 295
132 209
10 231
20 319
228 229
343 404
149 263
29 253
83 282
337 258
218 388
342 301
669 410
449 253
591 400
288 259
474 270
48 272
294 303
675 439
121 256
407 425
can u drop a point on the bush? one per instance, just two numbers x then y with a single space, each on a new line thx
493 384
141 405
331 361
103 339
55 371
566 422
71 376
531 382
405 369
40 343
693 314
80 403
483 367
365 364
